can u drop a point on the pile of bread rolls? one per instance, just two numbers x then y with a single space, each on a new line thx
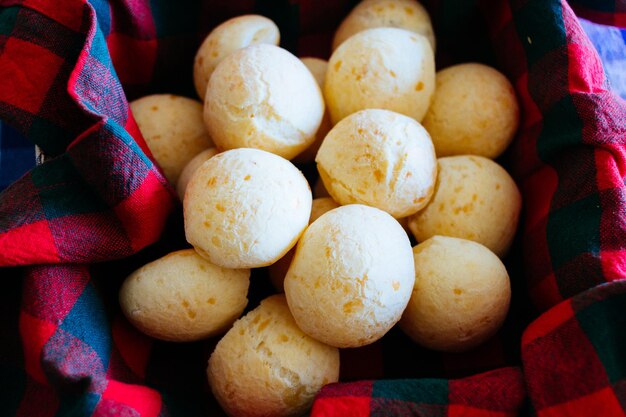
398 147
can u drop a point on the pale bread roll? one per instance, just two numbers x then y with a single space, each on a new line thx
173 129
182 297
266 366
245 208
461 295
381 159
263 97
475 199
402 14
382 68
318 68
233 34
351 277
474 111
278 270
191 168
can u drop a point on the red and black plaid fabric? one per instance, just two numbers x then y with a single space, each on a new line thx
584 341
606 12
73 227
498 393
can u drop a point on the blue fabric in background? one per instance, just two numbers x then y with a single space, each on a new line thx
610 42
18 155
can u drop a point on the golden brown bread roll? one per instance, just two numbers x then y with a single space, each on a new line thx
382 68
475 199
403 14
474 111
461 295
266 366
173 129
183 297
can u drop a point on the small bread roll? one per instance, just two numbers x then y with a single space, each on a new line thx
351 277
191 168
402 14
265 365
461 295
381 159
233 34
183 297
475 199
263 97
318 68
173 129
474 111
278 270
383 68
245 208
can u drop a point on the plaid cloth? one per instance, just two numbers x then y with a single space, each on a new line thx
73 227
610 42
607 12
498 393
17 155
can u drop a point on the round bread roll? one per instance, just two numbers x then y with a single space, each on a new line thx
173 129
278 270
245 208
402 14
461 295
383 68
351 277
474 111
191 168
475 199
182 297
381 159
265 365
263 97
233 34
318 68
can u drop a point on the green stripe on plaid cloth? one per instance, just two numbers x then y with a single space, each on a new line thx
607 12
498 393
586 339
569 153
